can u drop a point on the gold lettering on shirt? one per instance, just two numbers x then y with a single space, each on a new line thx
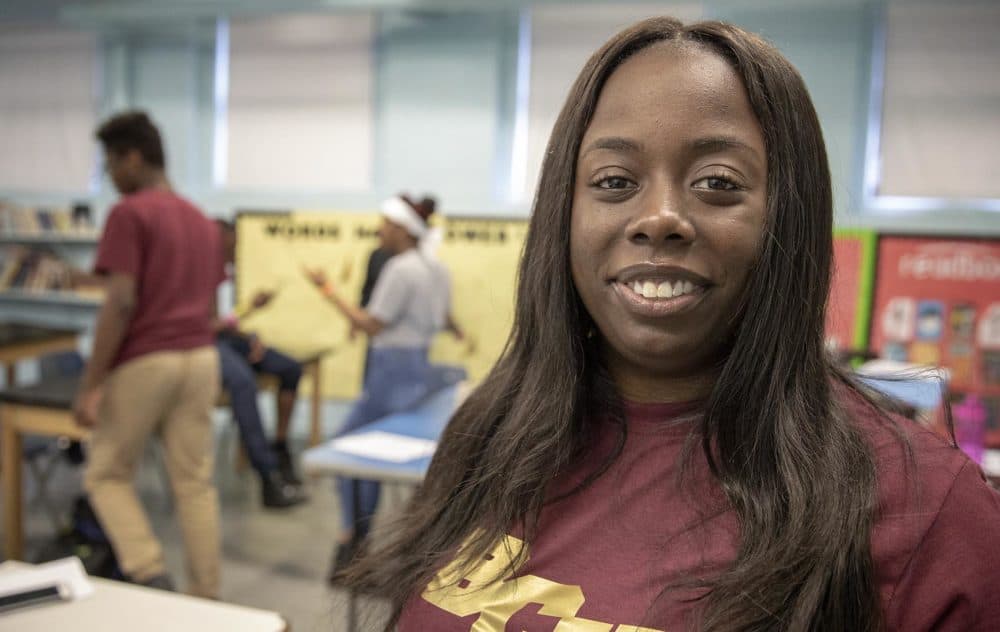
497 602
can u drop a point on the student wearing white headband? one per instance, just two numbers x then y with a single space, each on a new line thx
410 216
409 306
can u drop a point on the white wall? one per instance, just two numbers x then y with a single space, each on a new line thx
48 104
299 110
445 97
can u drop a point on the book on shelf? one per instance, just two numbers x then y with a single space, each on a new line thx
24 221
35 270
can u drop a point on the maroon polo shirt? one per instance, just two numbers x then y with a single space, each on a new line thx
174 254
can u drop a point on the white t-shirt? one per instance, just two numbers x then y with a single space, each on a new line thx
411 297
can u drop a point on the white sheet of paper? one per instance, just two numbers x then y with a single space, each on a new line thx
385 446
67 573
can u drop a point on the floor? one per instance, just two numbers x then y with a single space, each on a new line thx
275 560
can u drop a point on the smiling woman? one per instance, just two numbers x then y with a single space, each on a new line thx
662 201
664 444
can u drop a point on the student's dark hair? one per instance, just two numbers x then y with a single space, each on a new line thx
132 130
798 474
225 224
424 207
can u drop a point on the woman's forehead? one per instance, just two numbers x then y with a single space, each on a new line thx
666 79
672 94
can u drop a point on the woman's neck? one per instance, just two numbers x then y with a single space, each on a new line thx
665 391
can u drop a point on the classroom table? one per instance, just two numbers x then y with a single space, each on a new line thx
922 387
42 409
46 409
117 606
925 394
20 342
427 421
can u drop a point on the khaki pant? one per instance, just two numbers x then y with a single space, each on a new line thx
170 394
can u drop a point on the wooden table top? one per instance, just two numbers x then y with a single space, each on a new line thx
15 334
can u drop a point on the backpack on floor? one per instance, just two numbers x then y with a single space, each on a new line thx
85 538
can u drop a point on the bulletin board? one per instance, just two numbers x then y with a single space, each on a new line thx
937 301
849 309
274 249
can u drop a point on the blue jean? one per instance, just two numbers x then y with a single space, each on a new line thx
240 381
395 380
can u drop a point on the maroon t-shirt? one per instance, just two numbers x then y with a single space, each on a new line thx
174 253
601 557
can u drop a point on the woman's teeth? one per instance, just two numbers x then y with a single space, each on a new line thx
663 289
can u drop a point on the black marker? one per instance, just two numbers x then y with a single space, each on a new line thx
33 597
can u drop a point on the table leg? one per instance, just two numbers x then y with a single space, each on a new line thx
352 595
10 373
352 610
10 465
316 404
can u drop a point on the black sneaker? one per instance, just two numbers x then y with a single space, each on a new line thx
162 581
278 493
285 463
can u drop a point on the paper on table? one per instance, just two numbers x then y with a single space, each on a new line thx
67 573
385 446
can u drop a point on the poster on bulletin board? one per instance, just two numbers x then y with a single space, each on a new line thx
273 250
482 256
849 308
937 302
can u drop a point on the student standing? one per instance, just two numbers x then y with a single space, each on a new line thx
410 304
154 369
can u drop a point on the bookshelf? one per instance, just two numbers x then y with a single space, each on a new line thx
43 221
48 239
61 298
42 252
57 309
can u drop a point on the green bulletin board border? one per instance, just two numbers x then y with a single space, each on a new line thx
866 282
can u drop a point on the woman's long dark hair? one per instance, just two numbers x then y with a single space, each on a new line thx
798 474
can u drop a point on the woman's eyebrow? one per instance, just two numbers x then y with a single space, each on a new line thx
717 144
705 145
614 143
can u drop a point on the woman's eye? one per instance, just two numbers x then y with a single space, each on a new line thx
716 183
613 183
